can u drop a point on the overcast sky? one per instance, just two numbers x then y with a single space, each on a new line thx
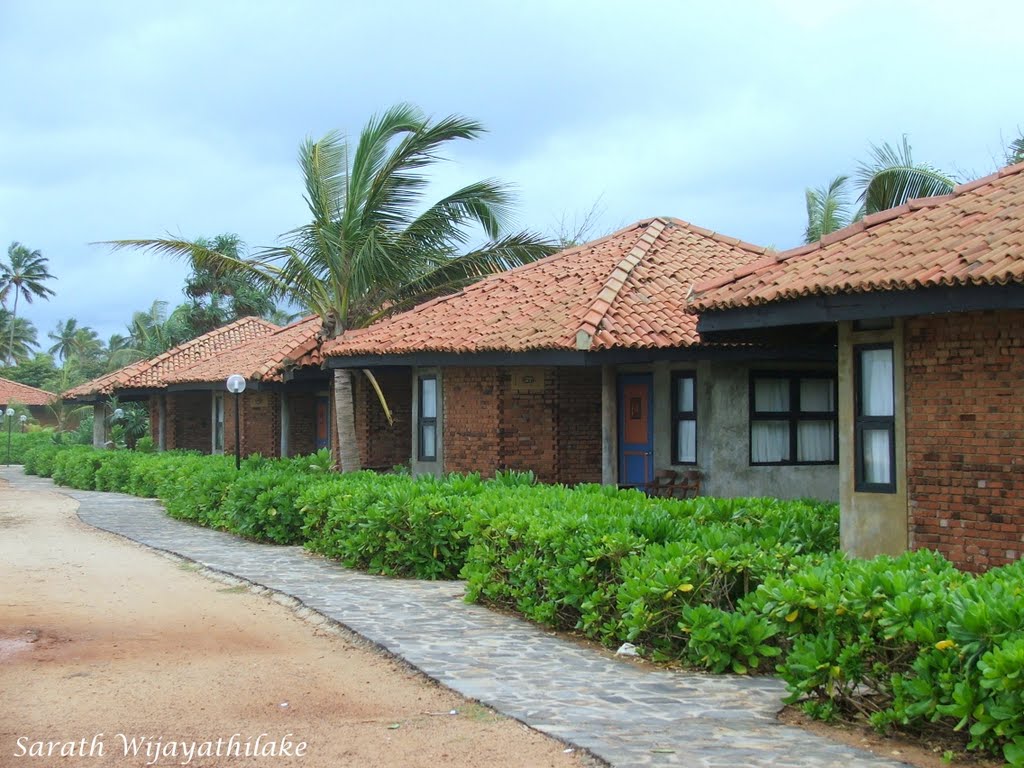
138 119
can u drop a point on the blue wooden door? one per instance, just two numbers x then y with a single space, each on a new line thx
636 429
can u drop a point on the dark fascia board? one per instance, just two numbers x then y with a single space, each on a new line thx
567 358
127 396
863 306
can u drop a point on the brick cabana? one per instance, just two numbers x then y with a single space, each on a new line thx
585 367
930 295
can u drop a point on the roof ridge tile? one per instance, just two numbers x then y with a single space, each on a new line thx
616 280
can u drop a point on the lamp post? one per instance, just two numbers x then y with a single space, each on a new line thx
9 413
236 386
23 418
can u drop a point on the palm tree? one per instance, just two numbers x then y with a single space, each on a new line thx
71 340
17 337
827 209
888 181
372 247
24 273
892 178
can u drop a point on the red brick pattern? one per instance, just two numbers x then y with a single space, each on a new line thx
492 422
189 421
472 420
301 424
579 425
261 423
965 419
971 237
383 445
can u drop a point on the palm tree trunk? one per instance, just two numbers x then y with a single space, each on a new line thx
14 316
345 421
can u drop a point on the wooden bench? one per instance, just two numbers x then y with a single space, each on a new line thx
674 484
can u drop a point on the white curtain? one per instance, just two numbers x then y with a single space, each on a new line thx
876 392
687 445
771 395
769 441
428 398
685 395
877 465
815 441
817 395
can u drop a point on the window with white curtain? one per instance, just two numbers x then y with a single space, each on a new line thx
792 418
427 426
217 417
874 419
684 385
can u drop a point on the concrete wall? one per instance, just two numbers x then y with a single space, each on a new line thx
723 434
871 523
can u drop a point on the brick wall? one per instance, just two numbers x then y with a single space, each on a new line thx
301 423
579 425
383 445
472 419
261 423
965 421
189 421
548 422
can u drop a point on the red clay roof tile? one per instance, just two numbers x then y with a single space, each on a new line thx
23 394
153 373
626 290
974 236
262 359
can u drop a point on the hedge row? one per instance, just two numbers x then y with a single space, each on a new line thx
720 584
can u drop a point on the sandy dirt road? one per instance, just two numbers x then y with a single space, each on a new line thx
105 642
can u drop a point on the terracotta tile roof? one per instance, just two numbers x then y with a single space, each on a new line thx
263 359
974 236
626 290
23 394
151 374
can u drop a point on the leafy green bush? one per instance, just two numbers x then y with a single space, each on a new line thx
195 488
23 442
145 444
76 467
390 524
261 503
39 459
620 566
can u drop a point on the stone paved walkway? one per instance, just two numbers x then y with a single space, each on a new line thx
626 714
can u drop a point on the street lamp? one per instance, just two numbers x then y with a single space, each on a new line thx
9 413
23 418
236 386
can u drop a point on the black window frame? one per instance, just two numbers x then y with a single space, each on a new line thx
793 416
862 423
422 421
678 416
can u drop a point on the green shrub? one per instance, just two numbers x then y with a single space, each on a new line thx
390 524
261 503
145 444
76 467
39 460
195 487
